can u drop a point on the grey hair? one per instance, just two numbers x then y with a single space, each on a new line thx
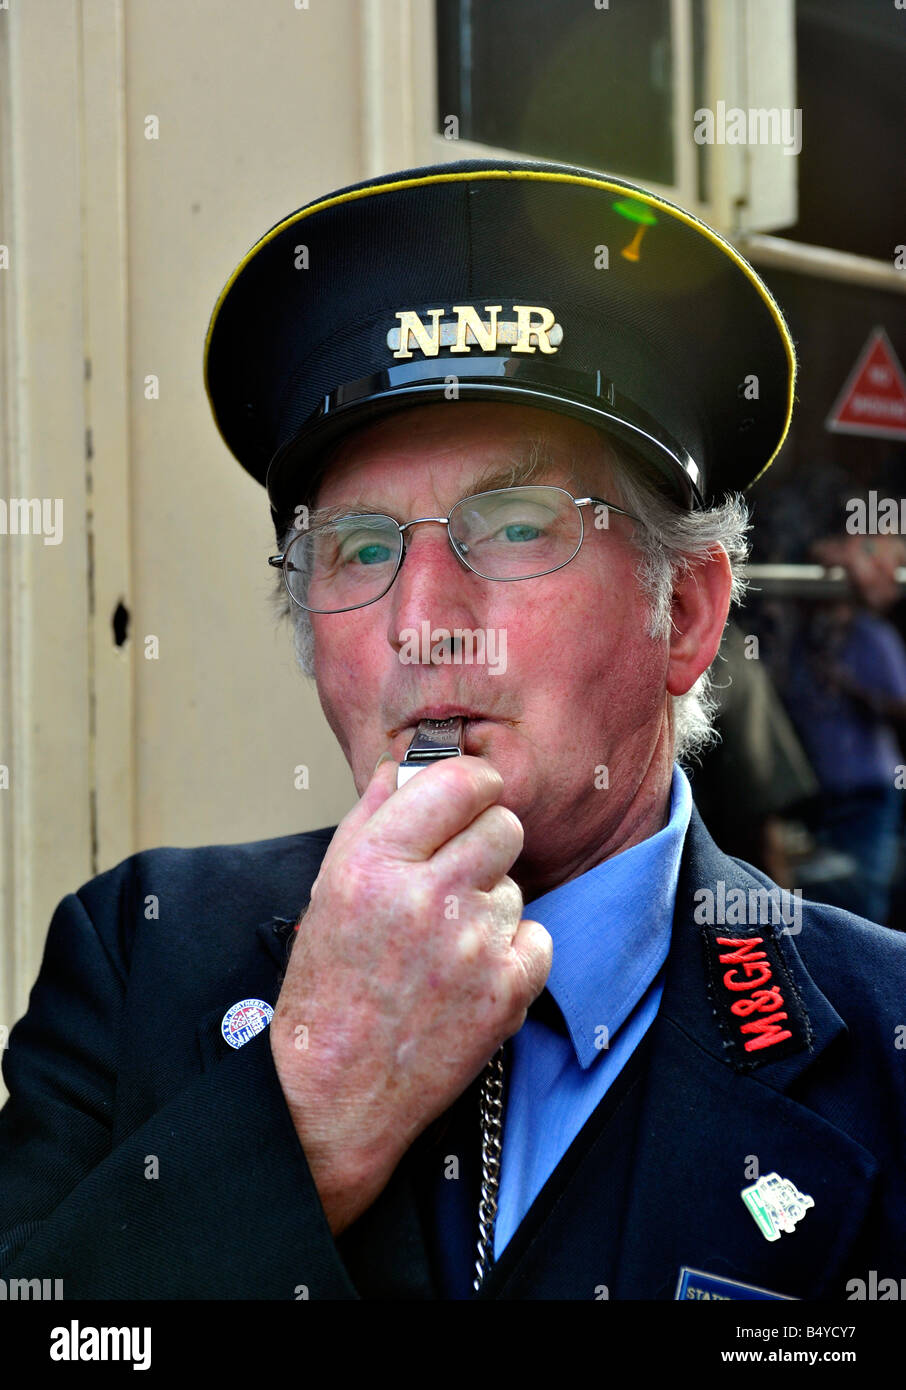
671 542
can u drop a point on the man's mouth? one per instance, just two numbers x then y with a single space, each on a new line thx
469 713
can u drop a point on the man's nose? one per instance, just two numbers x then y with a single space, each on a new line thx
433 586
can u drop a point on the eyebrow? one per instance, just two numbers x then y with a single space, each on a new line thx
533 465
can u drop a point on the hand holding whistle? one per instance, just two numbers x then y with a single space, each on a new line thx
411 966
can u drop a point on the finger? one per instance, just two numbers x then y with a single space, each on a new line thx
480 855
505 907
534 949
433 806
381 786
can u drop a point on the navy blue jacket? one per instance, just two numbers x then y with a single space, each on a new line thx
120 1060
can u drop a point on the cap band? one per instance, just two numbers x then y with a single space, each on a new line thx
587 396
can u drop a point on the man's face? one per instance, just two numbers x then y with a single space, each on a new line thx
584 685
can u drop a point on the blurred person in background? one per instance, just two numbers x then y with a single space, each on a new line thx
846 695
758 775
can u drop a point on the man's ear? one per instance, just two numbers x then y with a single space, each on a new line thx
701 602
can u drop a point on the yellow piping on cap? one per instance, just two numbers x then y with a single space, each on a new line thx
544 176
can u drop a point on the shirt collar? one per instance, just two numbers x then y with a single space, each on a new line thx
611 929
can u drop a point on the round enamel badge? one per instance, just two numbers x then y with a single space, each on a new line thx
244 1020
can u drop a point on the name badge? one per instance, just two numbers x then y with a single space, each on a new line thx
695 1283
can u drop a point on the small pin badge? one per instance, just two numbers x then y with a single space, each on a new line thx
241 1022
776 1205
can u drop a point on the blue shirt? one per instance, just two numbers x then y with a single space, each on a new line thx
611 930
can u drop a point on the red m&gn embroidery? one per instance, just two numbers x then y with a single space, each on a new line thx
760 1001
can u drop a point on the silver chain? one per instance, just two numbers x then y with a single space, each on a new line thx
491 1145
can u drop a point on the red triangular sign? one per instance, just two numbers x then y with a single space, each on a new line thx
873 401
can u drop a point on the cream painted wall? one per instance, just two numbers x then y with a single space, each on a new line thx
45 812
259 110
119 246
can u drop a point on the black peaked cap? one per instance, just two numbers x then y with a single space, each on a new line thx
527 282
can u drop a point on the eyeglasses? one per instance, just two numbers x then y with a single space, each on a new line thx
508 534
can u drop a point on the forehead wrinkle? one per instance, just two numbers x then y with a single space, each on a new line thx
534 463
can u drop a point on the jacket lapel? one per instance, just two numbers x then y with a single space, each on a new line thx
715 1118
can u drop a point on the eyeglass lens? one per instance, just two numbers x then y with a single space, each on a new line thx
511 533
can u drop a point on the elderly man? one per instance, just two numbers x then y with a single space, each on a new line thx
516 1027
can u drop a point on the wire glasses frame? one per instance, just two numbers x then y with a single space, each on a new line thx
283 561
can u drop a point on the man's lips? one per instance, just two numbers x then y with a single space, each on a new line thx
474 739
447 711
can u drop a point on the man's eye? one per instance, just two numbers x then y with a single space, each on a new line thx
359 552
510 523
520 531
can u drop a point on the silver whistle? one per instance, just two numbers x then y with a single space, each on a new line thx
434 738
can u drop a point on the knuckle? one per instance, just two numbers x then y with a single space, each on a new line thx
351 881
470 945
505 825
361 883
538 951
511 888
506 903
481 772
420 897
473 778
512 820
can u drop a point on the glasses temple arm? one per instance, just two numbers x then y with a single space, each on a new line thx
621 511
